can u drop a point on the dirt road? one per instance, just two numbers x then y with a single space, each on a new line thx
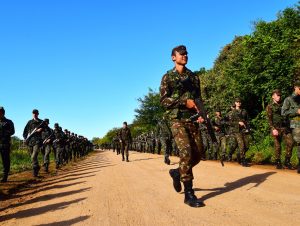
103 190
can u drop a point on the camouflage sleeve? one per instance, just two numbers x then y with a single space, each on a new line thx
288 109
270 116
11 128
26 129
166 98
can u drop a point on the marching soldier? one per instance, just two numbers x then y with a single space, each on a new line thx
239 127
279 130
59 142
180 106
126 140
7 129
47 137
291 110
33 138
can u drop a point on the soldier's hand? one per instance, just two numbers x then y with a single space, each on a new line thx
48 141
275 132
191 104
298 111
200 120
39 130
242 124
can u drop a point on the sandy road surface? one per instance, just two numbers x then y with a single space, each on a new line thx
103 190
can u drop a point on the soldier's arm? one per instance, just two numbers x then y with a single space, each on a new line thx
288 110
11 128
25 132
270 116
166 98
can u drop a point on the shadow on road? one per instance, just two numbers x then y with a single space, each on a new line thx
39 210
66 222
256 179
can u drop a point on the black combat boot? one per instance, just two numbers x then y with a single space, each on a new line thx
127 160
287 163
4 178
278 164
189 196
46 167
174 173
167 160
36 171
244 162
123 158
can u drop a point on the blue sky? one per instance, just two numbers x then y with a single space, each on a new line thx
84 64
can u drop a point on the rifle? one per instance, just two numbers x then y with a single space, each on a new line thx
33 132
45 141
187 85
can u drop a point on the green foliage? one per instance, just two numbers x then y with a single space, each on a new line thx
150 110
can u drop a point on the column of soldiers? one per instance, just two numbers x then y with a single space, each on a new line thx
39 137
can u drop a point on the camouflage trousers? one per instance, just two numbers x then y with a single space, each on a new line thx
189 143
125 149
34 151
46 153
288 139
243 143
296 137
5 156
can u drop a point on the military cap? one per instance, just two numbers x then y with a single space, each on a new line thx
46 120
2 109
277 91
55 124
297 83
180 49
35 111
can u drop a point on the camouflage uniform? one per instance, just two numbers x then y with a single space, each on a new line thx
278 122
289 109
47 133
34 143
59 143
6 131
184 131
126 140
240 134
165 135
218 123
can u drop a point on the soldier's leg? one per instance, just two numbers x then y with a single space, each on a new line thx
34 160
190 148
127 151
5 156
241 144
47 157
296 138
122 151
277 148
289 144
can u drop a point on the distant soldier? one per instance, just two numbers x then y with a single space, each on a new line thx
291 110
59 142
180 107
279 130
33 135
219 127
47 137
7 129
165 135
239 127
126 140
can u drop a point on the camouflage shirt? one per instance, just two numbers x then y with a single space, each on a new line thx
7 129
290 108
276 120
126 135
234 117
174 96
